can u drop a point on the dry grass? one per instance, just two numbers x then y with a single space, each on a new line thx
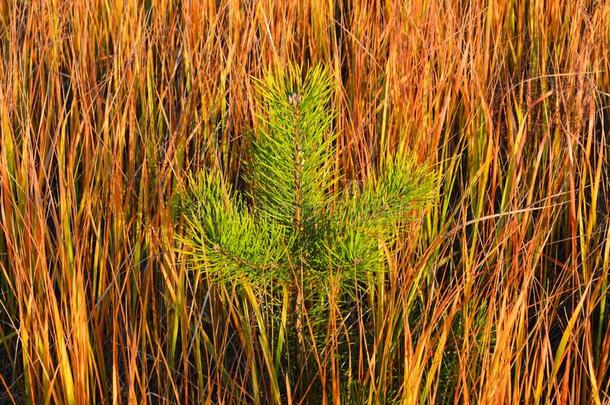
499 296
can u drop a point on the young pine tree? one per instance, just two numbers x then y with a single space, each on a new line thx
292 230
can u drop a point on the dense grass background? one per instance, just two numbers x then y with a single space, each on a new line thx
500 295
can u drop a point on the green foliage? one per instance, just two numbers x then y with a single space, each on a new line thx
222 235
296 223
289 173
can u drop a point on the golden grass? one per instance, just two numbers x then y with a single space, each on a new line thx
498 296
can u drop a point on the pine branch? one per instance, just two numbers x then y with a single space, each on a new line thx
222 235
372 213
397 194
289 173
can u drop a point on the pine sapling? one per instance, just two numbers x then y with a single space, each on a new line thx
295 228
